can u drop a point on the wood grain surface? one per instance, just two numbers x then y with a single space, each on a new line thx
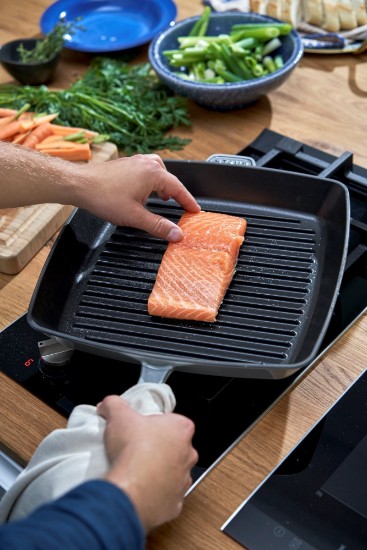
322 104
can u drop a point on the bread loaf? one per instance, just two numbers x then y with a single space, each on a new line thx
258 6
330 15
347 15
360 9
314 12
274 8
291 12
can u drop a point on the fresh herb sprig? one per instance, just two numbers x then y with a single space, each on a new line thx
52 44
127 102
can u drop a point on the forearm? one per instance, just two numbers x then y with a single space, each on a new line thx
29 177
94 516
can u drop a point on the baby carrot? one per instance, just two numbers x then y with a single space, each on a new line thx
40 119
60 144
5 120
80 153
4 112
68 130
38 134
15 127
19 138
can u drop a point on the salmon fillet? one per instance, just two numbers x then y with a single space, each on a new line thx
196 272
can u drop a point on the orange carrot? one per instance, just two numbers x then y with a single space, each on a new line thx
10 130
26 128
44 118
72 154
7 112
10 115
61 144
68 130
26 116
51 138
37 135
5 120
26 125
19 138
15 127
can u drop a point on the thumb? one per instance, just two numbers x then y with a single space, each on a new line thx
113 407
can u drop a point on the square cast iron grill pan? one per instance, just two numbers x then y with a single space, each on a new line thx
94 289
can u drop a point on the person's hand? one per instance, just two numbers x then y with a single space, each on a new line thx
118 190
151 458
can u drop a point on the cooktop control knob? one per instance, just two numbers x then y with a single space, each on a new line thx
55 354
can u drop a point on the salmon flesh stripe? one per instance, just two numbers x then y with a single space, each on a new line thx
195 273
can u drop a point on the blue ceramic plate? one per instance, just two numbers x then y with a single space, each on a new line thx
110 25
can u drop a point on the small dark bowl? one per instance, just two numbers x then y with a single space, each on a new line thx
33 74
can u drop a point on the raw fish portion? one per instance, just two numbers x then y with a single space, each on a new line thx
191 284
196 272
212 231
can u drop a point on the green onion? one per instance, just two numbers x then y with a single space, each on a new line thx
269 64
283 28
200 26
271 46
278 60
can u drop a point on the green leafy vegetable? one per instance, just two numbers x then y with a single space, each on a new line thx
125 102
48 47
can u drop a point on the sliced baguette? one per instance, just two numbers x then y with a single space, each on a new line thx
258 6
347 15
331 16
274 8
360 9
314 12
292 12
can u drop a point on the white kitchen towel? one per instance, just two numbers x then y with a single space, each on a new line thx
69 456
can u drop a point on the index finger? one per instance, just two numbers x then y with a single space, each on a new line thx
171 187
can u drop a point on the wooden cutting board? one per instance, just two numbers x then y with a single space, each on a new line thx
24 231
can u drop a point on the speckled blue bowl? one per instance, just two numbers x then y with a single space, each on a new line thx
228 96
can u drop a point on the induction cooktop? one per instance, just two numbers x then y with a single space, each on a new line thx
316 499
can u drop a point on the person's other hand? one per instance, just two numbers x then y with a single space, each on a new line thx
151 459
118 190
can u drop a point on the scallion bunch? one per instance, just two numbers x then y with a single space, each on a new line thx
248 51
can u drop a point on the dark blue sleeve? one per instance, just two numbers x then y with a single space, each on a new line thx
95 516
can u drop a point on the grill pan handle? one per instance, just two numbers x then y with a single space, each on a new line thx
157 374
55 353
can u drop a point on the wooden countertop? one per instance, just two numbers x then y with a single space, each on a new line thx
323 105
